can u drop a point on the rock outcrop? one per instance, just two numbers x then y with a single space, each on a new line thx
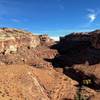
79 48
31 69
92 37
79 56
12 39
18 46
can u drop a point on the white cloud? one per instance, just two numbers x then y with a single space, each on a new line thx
61 7
91 10
16 20
55 38
92 17
59 0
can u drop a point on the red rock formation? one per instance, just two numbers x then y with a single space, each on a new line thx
17 46
12 39
19 49
79 56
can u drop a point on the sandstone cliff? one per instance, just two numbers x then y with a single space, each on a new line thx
12 39
17 46
35 67
79 56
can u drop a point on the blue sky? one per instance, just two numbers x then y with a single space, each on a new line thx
55 17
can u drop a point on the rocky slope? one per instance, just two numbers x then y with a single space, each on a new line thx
22 82
79 56
39 81
35 67
17 46
12 39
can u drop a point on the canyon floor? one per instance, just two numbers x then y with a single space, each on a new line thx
35 67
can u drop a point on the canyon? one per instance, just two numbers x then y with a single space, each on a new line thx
35 67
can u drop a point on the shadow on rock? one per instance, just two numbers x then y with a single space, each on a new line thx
78 49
